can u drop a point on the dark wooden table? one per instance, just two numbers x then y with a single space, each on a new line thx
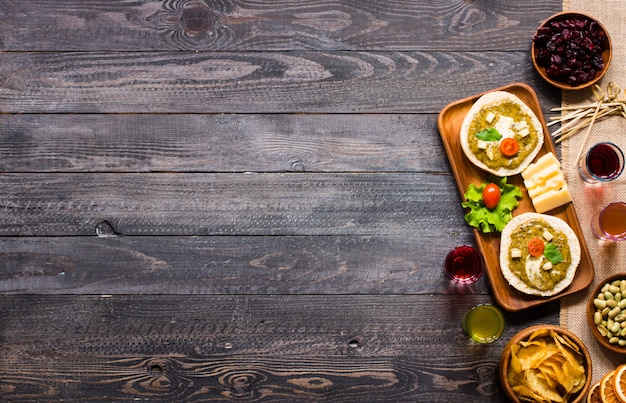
244 201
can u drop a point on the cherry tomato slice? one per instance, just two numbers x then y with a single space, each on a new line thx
536 247
509 147
491 195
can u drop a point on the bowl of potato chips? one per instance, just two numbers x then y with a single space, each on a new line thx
545 363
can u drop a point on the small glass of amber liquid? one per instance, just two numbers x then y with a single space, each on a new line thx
609 224
464 265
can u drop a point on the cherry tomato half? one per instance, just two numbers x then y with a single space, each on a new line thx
491 195
509 147
536 247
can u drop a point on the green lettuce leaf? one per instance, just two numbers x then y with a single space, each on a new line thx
491 220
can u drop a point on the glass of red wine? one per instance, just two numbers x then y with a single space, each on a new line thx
604 162
464 265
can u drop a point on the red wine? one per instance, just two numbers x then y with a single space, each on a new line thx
604 161
464 265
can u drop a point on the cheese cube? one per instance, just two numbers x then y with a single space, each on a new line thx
545 183
490 117
542 163
503 126
551 199
489 152
542 176
555 183
520 125
547 266
530 183
547 235
516 253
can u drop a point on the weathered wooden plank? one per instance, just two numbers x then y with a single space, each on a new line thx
262 348
254 82
220 143
270 25
411 204
231 265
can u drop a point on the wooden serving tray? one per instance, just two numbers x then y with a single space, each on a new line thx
449 122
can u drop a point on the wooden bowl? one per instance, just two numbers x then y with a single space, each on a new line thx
606 55
505 359
591 309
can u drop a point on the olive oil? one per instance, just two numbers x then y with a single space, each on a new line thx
484 323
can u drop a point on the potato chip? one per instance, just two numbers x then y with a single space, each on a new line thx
537 383
547 367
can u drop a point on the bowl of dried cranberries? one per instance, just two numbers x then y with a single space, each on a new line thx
571 50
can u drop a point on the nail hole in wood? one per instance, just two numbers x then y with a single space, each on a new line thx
104 228
298 166
355 344
156 368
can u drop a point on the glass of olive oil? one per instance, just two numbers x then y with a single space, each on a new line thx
484 323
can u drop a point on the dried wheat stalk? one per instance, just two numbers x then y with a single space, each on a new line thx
578 117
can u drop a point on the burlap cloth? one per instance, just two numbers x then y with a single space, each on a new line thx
607 258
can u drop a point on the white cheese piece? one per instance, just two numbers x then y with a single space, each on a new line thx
520 125
523 132
489 152
547 266
490 117
533 270
482 145
547 235
516 253
504 126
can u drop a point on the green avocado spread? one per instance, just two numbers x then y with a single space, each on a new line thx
531 270
511 121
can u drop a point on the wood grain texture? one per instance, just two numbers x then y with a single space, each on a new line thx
409 264
286 25
220 143
257 348
254 82
243 200
231 204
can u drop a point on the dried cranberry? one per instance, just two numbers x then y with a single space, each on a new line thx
571 49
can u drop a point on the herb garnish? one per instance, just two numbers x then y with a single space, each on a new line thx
553 254
490 134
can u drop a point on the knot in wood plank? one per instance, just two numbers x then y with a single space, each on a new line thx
197 19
